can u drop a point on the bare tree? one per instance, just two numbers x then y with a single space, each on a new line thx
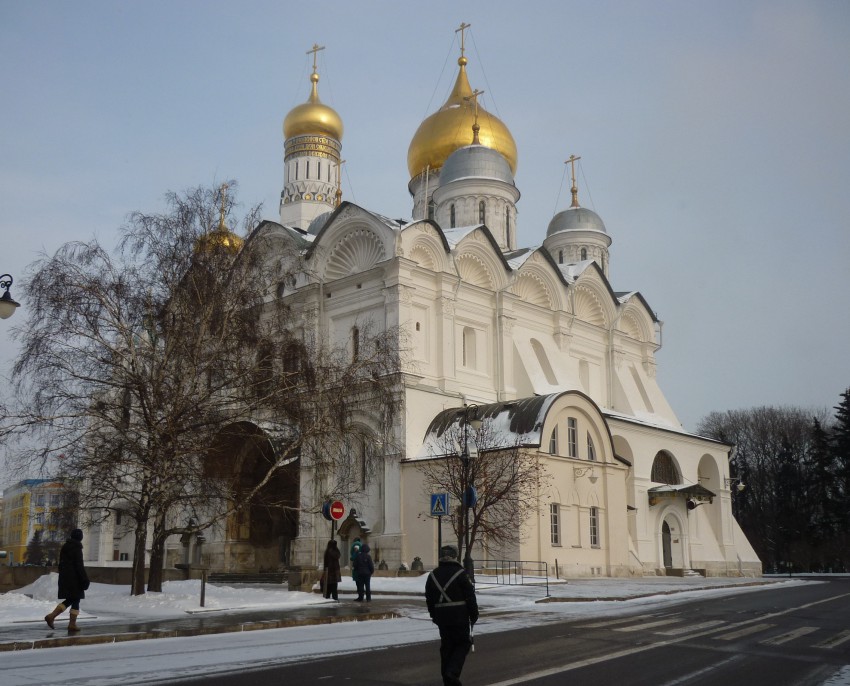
136 366
506 478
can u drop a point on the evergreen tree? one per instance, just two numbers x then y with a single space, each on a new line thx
35 549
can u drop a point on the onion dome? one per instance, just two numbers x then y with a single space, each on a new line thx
448 129
312 117
576 219
476 161
221 238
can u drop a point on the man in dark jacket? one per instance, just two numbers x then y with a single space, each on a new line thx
73 580
453 608
364 567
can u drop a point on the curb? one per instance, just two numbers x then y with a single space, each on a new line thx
81 640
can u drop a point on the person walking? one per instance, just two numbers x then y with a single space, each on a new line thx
451 601
73 580
332 574
364 567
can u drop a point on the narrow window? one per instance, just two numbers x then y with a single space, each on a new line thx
355 344
584 253
319 170
364 462
572 436
481 208
508 226
555 523
431 207
553 442
452 216
307 174
296 171
591 451
560 257
469 347
594 527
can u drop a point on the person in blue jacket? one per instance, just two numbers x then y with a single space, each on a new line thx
364 567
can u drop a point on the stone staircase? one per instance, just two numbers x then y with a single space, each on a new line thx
228 578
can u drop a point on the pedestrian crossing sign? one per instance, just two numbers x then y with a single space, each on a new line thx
439 504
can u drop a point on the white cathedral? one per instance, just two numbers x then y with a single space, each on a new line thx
534 336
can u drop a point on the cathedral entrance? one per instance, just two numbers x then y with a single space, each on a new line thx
665 546
672 544
258 536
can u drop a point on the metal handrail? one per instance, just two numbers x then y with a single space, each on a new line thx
514 572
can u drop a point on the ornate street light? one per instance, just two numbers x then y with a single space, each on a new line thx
469 418
7 304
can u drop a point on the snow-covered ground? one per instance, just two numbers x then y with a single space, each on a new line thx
167 660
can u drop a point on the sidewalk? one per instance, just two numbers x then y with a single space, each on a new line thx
26 634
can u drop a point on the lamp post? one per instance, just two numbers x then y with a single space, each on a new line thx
469 418
7 304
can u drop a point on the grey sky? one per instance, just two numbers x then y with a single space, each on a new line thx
715 144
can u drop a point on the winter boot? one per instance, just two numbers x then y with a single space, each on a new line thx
72 625
58 610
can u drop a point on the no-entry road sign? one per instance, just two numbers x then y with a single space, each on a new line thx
337 510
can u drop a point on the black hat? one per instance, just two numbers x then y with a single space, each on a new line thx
448 552
77 534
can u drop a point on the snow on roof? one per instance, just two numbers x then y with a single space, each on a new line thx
456 235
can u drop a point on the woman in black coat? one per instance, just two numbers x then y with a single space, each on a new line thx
73 580
332 574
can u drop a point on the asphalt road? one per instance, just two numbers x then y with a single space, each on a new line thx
793 636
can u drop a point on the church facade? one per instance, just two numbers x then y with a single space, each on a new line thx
535 338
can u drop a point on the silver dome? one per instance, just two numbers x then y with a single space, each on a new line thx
318 223
575 219
476 161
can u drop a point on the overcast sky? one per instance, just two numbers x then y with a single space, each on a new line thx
714 136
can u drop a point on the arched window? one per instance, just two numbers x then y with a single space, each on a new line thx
560 257
664 470
591 450
553 442
572 436
355 344
584 253
508 225
319 170
481 211
452 216
307 173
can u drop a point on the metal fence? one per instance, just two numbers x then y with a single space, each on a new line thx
514 573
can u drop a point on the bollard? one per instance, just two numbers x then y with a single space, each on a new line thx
203 587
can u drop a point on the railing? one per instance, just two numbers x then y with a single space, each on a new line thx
514 573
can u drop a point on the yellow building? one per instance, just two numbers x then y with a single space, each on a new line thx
31 506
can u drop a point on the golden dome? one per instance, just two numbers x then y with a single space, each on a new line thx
450 128
313 117
220 239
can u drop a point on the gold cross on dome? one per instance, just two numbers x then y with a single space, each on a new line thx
574 190
460 30
315 50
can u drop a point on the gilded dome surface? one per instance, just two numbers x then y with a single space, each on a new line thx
220 239
313 117
450 128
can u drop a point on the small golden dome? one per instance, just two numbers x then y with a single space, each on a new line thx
220 239
313 117
450 128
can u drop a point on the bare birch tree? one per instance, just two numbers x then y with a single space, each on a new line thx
135 365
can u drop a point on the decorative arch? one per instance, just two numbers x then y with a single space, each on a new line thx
473 270
423 255
630 325
665 469
356 251
589 307
531 288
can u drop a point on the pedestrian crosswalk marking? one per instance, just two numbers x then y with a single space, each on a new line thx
835 641
689 628
789 636
746 631
648 625
609 622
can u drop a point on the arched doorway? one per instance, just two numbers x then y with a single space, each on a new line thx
672 543
257 537
667 553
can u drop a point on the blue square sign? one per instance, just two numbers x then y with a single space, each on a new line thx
439 504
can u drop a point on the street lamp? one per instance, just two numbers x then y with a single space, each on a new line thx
469 418
7 304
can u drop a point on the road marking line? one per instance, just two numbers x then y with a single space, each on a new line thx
789 636
835 641
649 625
746 631
609 622
690 628
705 670
531 676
